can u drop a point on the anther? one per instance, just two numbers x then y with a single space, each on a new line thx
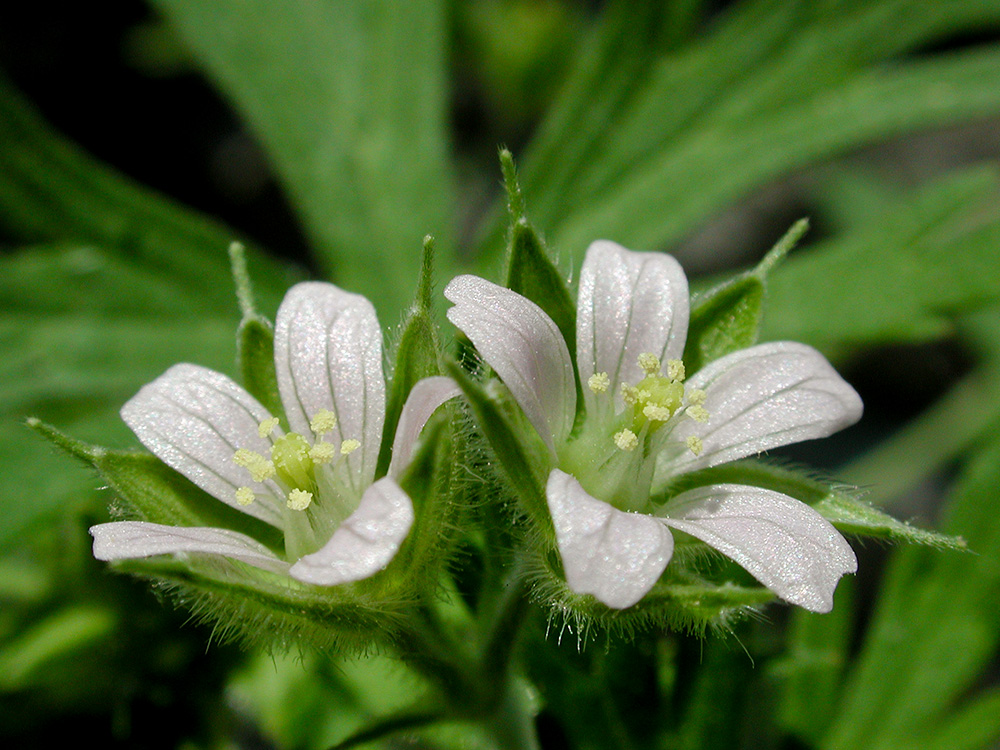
626 440
599 382
694 444
244 496
322 452
323 422
675 370
267 427
299 499
696 397
349 446
697 413
649 363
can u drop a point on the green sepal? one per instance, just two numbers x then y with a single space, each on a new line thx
523 457
260 609
728 317
154 492
255 352
845 511
530 272
429 482
254 340
416 355
680 601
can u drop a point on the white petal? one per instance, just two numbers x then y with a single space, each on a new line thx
129 540
784 544
424 399
763 397
328 355
524 346
194 420
629 303
615 556
365 543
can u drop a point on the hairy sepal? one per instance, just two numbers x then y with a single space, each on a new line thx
255 356
258 610
523 457
149 490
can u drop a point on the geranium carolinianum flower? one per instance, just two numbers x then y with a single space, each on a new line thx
315 482
645 423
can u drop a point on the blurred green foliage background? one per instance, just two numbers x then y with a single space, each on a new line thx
138 140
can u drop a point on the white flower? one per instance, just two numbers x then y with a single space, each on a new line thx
645 424
315 483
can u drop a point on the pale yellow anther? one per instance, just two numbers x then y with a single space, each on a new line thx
349 446
299 499
244 496
323 422
649 363
694 444
675 370
696 397
259 467
322 452
626 440
698 413
267 427
599 382
630 394
656 413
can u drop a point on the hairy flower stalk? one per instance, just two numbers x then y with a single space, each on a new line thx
316 482
646 422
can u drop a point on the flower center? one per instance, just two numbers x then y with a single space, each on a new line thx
303 470
614 456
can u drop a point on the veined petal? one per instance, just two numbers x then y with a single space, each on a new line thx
328 355
524 346
424 399
194 420
615 556
130 540
629 303
365 543
763 397
784 544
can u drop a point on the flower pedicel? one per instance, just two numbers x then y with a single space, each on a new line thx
646 423
317 482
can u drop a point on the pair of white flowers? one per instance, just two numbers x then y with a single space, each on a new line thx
644 424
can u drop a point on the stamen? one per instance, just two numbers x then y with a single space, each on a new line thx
675 370
349 446
599 382
323 422
626 440
245 496
630 394
259 467
698 413
696 397
694 444
649 363
656 413
322 452
299 499
267 427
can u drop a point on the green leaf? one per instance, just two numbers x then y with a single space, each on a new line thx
416 354
50 190
530 271
350 101
904 276
842 509
157 493
935 630
728 317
